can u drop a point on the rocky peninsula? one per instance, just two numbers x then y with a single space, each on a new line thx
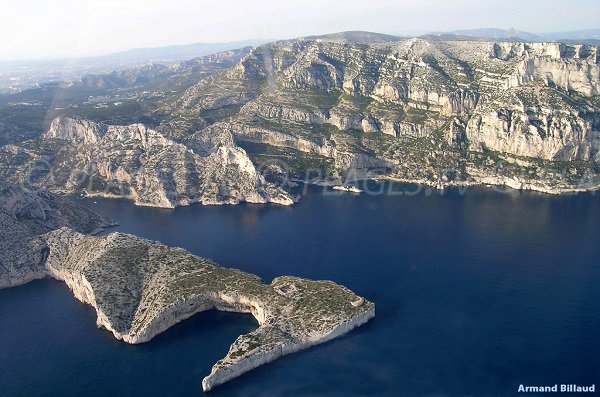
140 288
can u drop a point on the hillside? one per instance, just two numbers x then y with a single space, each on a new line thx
359 104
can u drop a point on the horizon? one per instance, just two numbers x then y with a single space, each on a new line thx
92 28
274 39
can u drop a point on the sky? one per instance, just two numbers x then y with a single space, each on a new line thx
41 29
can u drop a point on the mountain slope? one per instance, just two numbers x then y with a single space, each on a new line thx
119 97
139 163
418 109
440 112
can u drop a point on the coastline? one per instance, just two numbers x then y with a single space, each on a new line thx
498 182
140 288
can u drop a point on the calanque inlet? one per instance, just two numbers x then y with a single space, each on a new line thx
252 124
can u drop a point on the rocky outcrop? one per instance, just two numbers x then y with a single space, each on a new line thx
227 370
273 137
140 163
140 288
24 216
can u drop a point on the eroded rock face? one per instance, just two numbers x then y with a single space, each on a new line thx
140 163
398 101
545 134
571 67
432 111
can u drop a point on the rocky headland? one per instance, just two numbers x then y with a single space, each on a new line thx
140 288
141 164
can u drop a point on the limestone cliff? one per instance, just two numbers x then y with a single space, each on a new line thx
140 163
24 216
140 288
442 112
428 110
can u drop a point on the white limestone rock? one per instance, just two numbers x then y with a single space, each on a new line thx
143 164
139 288
24 216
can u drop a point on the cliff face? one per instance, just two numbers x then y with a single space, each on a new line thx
569 67
24 216
406 102
432 111
140 163
541 133
140 288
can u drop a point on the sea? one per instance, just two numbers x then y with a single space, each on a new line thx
477 292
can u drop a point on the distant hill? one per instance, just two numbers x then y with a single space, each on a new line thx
357 37
168 54
17 75
493 33
133 57
589 36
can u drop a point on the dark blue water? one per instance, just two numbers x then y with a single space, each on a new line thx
475 294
